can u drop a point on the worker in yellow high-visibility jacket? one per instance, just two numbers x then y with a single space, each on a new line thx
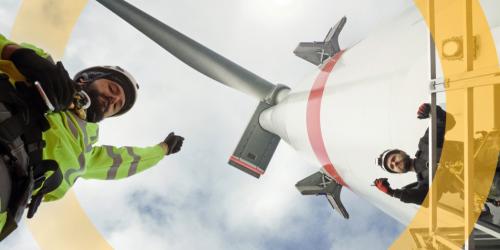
70 140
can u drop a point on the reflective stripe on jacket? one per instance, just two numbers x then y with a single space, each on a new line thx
70 142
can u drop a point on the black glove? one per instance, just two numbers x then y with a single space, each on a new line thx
423 111
174 143
54 79
383 185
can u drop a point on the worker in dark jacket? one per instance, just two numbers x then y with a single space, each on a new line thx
398 161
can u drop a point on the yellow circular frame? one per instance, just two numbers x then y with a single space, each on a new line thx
49 24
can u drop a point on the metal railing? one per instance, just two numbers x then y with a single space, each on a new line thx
450 237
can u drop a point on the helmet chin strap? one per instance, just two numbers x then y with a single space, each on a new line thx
85 97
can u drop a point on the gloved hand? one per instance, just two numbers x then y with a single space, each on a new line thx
383 185
423 111
174 143
54 79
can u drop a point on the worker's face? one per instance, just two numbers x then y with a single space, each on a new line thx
107 98
399 162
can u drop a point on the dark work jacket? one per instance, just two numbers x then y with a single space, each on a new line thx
416 192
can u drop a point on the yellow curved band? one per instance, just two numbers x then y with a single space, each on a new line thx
470 67
61 224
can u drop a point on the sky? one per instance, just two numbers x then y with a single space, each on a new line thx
194 199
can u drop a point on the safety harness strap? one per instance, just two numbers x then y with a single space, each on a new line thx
13 127
28 123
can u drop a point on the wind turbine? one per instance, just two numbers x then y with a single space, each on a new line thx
361 101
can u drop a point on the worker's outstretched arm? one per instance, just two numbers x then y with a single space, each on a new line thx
442 117
111 163
413 193
443 120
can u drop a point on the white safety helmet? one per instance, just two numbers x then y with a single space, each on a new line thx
116 74
381 161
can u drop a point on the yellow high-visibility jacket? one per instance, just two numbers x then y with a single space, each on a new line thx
71 142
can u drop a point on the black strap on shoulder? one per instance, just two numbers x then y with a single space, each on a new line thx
11 128
14 126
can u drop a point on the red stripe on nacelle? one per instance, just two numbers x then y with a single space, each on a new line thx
314 119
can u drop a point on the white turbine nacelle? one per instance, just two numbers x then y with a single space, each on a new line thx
368 104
